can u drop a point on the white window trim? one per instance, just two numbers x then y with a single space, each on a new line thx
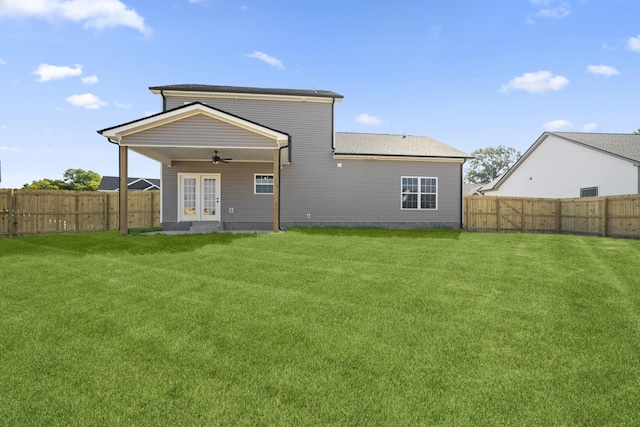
419 193
255 184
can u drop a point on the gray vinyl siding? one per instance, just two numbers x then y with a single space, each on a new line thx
236 190
360 193
196 131
368 192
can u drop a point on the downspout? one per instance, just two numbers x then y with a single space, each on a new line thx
333 131
280 182
461 194
164 101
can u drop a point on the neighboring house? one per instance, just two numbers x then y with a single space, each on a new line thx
112 183
258 159
573 164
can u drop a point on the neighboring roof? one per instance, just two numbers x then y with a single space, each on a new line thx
247 90
491 185
112 183
621 145
471 189
369 144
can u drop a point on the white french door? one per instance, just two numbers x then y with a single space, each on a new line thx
199 197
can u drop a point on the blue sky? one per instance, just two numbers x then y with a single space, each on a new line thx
470 74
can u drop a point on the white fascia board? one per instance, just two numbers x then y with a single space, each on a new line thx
246 96
397 158
119 132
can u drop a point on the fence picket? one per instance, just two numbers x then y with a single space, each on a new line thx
616 216
25 212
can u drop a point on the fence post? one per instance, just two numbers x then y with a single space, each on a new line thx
105 211
13 216
77 213
498 214
604 217
558 216
152 216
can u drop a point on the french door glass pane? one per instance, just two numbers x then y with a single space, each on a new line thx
209 196
189 196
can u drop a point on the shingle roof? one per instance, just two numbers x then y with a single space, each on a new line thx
249 90
619 144
112 183
393 145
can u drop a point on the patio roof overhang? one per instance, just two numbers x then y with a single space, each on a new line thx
194 132
167 137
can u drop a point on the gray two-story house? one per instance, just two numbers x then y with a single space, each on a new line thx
260 159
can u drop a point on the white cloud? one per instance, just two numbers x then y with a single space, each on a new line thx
8 149
549 9
633 43
605 70
90 80
538 82
52 72
591 127
97 14
558 125
122 105
558 12
274 62
368 120
3 62
88 101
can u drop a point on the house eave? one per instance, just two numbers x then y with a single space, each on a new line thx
247 96
398 157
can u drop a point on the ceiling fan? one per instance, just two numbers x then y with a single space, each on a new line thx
217 159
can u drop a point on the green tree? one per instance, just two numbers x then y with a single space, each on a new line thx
490 162
636 132
46 184
73 179
80 179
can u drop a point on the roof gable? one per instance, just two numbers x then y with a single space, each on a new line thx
116 133
623 146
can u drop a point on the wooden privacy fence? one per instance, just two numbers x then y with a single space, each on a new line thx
616 216
25 212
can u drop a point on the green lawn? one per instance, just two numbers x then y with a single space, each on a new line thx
319 327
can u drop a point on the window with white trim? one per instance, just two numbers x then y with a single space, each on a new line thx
263 184
419 192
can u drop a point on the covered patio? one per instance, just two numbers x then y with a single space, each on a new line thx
197 132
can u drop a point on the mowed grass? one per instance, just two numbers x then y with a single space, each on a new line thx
319 327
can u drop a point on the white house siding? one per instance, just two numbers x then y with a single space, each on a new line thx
361 193
558 168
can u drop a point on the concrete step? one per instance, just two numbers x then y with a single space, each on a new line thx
206 227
